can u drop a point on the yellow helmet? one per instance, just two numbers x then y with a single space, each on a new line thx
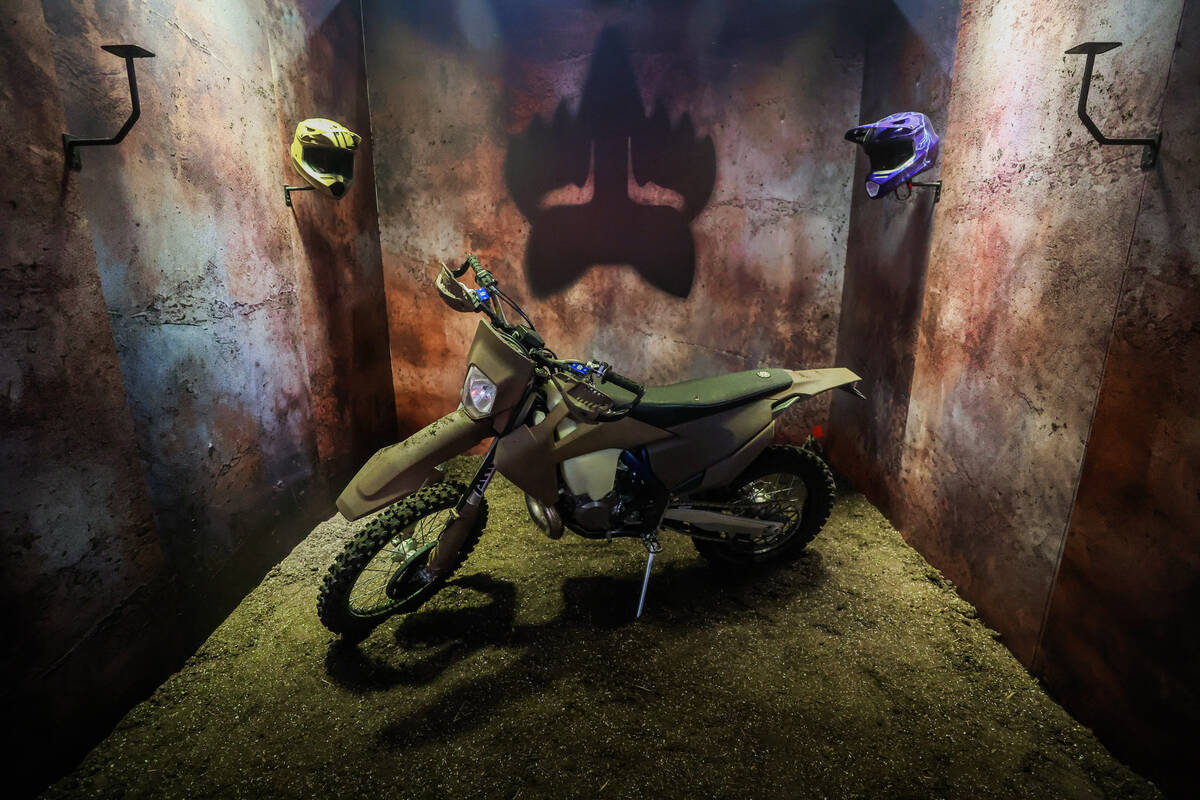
323 153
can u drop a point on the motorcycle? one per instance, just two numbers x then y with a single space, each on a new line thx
594 451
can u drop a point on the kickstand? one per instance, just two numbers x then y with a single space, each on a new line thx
652 547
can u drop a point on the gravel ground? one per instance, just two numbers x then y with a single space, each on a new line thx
853 672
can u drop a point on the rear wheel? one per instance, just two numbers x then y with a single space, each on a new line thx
379 572
787 484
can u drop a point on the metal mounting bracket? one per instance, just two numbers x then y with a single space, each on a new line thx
935 185
71 144
1091 49
287 193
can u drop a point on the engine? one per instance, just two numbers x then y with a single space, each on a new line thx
635 502
602 494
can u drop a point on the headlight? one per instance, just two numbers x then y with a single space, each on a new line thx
478 394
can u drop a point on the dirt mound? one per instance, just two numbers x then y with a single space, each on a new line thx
854 671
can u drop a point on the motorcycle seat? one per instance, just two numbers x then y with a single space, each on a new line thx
677 403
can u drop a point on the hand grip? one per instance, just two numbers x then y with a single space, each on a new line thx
627 384
471 263
458 272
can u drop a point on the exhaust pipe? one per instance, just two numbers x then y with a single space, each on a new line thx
544 517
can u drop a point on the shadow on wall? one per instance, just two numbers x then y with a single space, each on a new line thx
644 222
345 314
907 66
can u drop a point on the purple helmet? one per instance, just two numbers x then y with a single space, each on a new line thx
899 146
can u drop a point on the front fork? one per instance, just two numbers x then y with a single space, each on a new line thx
462 518
464 515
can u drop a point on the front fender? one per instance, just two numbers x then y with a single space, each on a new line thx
400 469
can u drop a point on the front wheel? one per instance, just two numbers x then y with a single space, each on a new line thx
379 572
785 483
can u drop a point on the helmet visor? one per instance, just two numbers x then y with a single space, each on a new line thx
330 161
887 156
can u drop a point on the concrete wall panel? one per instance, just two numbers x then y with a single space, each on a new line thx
194 250
193 364
319 70
454 86
1028 251
1121 641
907 68
77 537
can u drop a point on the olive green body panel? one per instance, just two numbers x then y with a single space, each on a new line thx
724 444
400 469
530 454
505 366
720 445
700 444
725 470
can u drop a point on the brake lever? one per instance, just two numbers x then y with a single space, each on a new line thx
599 368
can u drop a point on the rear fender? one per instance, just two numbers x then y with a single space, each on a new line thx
811 382
400 469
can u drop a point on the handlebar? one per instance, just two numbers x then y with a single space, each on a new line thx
489 302
471 263
601 370
628 384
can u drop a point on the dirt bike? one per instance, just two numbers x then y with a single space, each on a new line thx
595 452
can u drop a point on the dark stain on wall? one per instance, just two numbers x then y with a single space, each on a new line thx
606 145
1121 645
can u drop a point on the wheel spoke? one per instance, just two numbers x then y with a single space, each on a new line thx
369 594
375 574
778 496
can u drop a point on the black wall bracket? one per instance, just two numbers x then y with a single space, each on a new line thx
287 193
1091 49
71 144
910 185
935 185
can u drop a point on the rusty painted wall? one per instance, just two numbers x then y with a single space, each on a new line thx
1122 641
488 139
908 66
1029 247
319 69
78 549
207 363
